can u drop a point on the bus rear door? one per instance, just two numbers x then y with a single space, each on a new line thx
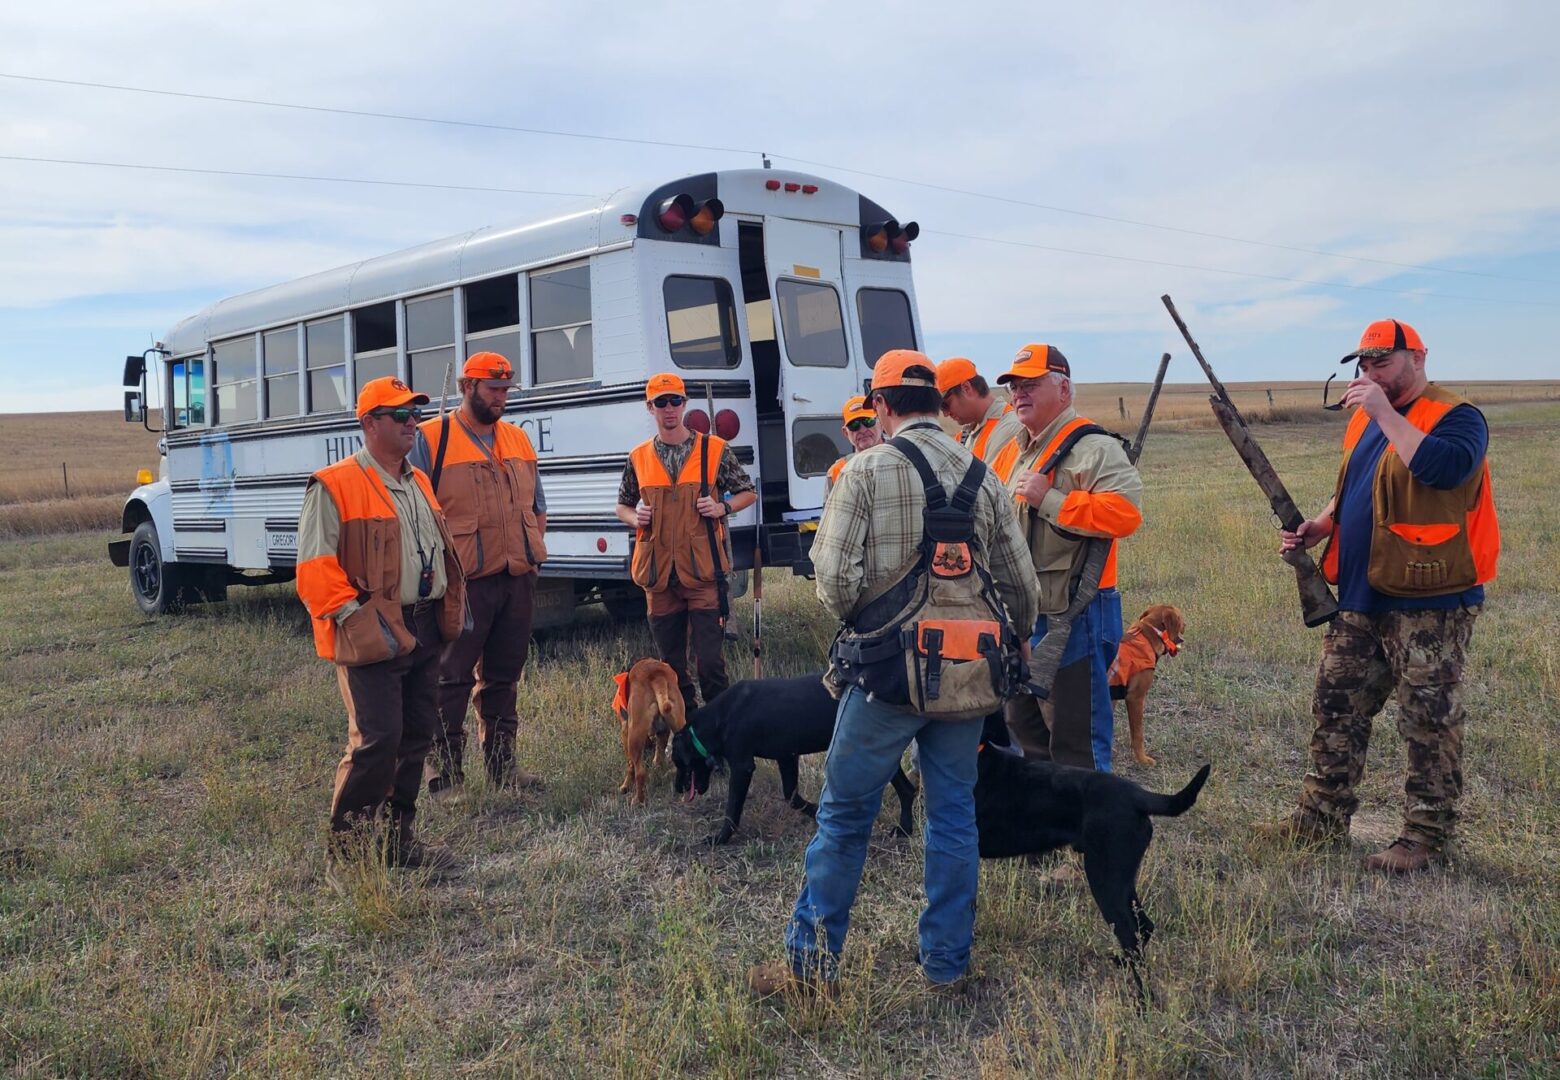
816 371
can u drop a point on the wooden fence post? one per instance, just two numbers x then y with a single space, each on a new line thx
1121 404
65 472
1270 398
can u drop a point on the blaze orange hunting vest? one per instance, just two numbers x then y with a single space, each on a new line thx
1425 541
1007 457
489 502
676 537
366 567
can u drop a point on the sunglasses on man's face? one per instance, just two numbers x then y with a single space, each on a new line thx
861 422
669 401
401 416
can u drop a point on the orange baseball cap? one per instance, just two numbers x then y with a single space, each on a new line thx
388 392
856 409
954 371
1385 337
488 365
1034 360
664 383
892 366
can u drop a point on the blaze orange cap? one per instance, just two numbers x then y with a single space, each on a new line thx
664 383
388 392
488 365
893 365
1385 337
856 408
1034 360
954 371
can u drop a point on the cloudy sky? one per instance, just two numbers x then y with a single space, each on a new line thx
1287 172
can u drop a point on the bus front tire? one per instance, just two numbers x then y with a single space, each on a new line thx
156 585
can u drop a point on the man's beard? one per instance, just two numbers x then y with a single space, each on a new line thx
485 413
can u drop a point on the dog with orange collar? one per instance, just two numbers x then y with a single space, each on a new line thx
1157 632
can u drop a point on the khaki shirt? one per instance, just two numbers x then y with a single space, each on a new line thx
872 524
1007 429
1095 491
319 530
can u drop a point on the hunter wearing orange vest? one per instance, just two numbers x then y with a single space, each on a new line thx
378 572
986 424
861 431
483 469
1070 481
675 486
1412 538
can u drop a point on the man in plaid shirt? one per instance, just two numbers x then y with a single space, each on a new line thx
871 527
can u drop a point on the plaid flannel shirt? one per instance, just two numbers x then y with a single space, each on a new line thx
872 524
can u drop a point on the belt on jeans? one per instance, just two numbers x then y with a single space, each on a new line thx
419 608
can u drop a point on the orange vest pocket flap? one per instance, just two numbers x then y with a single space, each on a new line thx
1426 535
958 639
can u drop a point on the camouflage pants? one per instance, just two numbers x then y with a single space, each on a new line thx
1420 654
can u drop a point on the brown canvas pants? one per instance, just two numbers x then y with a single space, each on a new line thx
1059 732
489 657
681 615
391 716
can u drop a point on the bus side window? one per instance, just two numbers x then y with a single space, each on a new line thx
181 396
188 405
234 377
560 324
701 322
197 390
885 322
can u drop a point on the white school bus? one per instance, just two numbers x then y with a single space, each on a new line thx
771 293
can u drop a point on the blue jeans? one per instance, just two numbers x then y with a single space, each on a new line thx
869 739
1096 635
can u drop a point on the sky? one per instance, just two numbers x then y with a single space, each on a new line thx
1288 173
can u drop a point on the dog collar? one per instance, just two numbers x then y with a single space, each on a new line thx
693 736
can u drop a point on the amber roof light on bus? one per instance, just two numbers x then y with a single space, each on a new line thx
704 219
877 235
899 236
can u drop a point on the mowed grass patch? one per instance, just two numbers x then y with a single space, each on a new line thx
162 909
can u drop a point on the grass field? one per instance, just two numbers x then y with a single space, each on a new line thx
163 913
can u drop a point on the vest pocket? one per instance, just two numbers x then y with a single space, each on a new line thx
1425 535
364 638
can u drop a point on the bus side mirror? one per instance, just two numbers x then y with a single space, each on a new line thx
135 409
135 367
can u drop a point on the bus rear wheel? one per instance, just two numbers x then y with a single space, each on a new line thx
156 585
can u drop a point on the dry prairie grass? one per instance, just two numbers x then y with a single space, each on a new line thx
162 910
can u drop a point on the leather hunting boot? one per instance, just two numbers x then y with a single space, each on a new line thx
406 852
503 773
769 980
1303 829
1402 856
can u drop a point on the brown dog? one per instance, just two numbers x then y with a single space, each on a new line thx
649 708
1156 633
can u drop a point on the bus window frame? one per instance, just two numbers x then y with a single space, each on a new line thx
861 322
727 315
532 328
839 307
215 383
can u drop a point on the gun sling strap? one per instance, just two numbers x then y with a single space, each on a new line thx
721 588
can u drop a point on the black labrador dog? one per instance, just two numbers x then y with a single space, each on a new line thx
778 719
1025 807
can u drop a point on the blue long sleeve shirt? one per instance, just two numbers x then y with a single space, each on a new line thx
1450 453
